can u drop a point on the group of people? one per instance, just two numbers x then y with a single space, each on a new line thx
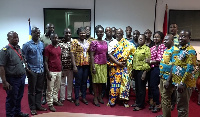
109 63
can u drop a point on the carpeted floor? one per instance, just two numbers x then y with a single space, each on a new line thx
117 110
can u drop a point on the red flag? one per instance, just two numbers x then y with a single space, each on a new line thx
165 22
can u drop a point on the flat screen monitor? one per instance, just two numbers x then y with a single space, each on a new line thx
186 20
67 18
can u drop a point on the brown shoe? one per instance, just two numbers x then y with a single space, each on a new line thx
58 103
33 112
51 108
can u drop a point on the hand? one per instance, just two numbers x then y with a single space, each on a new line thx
6 86
166 84
94 71
75 70
49 76
143 75
180 88
148 60
121 64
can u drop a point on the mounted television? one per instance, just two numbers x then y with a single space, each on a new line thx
67 18
188 20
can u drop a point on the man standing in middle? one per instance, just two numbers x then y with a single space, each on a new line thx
33 52
67 68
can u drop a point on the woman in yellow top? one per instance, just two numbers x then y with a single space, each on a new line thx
80 61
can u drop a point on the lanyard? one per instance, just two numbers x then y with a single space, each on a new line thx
19 54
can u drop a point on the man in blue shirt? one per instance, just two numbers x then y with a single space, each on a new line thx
33 53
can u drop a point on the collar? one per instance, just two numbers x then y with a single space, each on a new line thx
15 47
184 47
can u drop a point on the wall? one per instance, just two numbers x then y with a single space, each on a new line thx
139 14
14 15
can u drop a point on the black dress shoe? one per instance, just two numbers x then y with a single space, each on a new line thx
77 103
41 109
155 110
70 100
85 101
22 115
33 112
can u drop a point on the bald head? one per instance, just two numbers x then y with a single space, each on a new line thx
119 34
67 33
13 38
49 29
169 40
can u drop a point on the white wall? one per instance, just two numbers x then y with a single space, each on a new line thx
139 14
14 15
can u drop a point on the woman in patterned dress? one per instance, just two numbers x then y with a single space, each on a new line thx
80 61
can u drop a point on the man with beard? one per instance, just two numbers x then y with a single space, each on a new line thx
12 73
46 40
33 53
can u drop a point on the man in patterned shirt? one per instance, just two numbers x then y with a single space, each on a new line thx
67 69
183 73
166 86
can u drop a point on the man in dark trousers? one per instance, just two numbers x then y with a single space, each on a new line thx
12 73
33 53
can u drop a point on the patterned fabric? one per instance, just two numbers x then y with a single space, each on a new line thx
111 45
66 58
130 61
121 52
176 43
168 59
184 66
101 74
80 51
157 53
140 56
100 50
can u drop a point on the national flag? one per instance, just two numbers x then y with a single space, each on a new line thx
165 22
30 37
